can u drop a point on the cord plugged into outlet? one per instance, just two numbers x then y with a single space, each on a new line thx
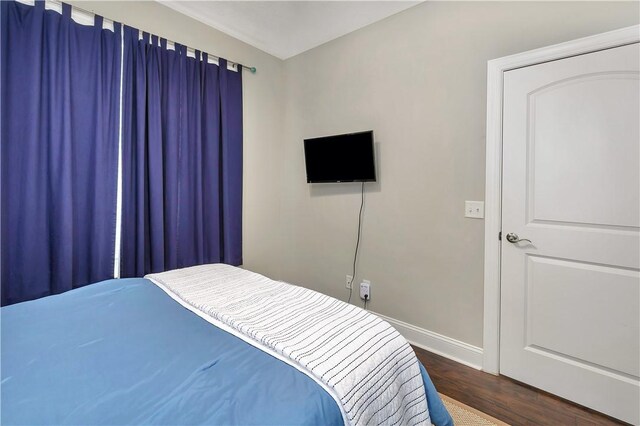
365 290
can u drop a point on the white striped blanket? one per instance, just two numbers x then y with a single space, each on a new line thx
359 359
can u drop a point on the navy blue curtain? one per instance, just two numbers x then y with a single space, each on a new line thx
182 158
60 96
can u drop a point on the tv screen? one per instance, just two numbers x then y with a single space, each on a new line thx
341 158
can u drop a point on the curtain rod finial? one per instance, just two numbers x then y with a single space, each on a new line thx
253 70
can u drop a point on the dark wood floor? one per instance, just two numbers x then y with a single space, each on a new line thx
503 398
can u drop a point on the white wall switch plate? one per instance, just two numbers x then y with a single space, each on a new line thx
365 290
474 209
347 284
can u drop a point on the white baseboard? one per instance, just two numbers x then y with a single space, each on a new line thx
447 347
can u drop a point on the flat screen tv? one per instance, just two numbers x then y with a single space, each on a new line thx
340 158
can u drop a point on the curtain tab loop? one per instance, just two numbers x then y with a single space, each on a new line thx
97 21
145 37
66 10
163 43
222 63
154 40
39 4
197 52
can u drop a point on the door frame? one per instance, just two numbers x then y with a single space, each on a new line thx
493 192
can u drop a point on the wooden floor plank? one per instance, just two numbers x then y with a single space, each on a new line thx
504 398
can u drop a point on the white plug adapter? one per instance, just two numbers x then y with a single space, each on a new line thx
365 290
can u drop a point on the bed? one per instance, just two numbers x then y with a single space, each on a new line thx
126 352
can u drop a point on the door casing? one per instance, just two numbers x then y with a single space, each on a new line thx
493 179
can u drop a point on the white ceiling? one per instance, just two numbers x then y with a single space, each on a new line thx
287 28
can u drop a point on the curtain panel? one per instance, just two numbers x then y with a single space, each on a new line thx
182 158
60 104
69 104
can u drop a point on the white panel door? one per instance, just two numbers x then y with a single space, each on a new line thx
570 298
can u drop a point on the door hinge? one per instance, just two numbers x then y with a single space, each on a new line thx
500 236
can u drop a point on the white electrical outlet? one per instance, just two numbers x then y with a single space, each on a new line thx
348 282
474 209
365 290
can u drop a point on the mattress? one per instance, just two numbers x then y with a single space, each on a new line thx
123 352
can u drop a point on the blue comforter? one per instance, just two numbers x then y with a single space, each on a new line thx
123 352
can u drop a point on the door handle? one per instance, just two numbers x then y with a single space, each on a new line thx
513 238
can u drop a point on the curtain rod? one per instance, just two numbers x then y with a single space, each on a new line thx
85 17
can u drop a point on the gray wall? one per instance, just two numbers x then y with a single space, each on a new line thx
418 79
263 116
